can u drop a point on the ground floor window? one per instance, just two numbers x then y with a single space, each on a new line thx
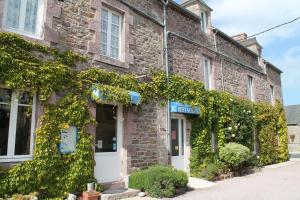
16 124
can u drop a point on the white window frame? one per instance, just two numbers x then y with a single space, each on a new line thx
11 157
203 22
207 70
272 94
250 92
20 29
108 48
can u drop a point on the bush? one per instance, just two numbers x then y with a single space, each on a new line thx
234 155
158 181
210 168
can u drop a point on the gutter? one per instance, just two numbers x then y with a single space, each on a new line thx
233 60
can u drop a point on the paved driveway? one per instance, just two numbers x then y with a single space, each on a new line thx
279 182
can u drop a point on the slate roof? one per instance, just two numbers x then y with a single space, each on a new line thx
250 42
293 114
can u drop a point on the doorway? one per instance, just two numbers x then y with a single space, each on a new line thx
108 142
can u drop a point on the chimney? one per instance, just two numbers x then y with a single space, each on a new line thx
240 37
251 43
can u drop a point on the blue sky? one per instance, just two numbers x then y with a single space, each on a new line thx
281 46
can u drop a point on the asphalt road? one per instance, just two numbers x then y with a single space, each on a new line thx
279 182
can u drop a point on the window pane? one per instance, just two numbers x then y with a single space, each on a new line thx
174 137
5 96
22 145
4 128
13 13
115 19
106 132
31 16
25 98
104 29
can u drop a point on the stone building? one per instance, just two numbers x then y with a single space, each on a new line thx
130 36
293 122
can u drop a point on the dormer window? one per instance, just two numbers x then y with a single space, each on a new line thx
203 22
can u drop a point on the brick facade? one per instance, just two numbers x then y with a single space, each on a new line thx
75 25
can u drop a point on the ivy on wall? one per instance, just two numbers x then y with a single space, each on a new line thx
45 71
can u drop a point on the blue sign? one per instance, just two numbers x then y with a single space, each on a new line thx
135 97
176 107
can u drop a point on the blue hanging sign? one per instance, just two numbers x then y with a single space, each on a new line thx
176 107
135 97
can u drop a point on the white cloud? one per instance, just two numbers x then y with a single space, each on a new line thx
253 16
290 65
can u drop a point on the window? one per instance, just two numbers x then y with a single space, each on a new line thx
272 95
203 22
250 88
16 125
111 24
207 73
24 16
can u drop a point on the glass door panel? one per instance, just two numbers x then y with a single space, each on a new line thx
106 131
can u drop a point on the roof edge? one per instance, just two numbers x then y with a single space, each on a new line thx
224 35
200 1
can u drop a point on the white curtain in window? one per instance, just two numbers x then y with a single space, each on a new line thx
115 29
13 13
104 30
31 16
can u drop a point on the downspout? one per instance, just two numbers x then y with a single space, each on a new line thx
221 60
166 54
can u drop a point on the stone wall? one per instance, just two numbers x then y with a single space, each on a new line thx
75 25
294 138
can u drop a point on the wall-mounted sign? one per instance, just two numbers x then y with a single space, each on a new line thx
68 140
176 107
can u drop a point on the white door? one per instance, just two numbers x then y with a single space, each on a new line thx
178 143
108 142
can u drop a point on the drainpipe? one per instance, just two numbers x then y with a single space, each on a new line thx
221 62
168 114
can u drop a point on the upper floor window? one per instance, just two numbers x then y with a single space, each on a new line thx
250 93
203 23
24 16
111 25
16 125
207 73
272 95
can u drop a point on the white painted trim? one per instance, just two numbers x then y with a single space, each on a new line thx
109 25
39 20
119 152
180 117
11 157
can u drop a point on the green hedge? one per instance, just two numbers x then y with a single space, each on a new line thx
158 181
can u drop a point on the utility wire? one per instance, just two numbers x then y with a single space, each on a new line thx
275 27
249 37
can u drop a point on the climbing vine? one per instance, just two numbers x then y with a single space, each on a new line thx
46 72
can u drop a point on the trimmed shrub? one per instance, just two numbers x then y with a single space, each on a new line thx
158 181
234 155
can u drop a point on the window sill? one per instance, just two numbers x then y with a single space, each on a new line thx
15 159
110 61
31 38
